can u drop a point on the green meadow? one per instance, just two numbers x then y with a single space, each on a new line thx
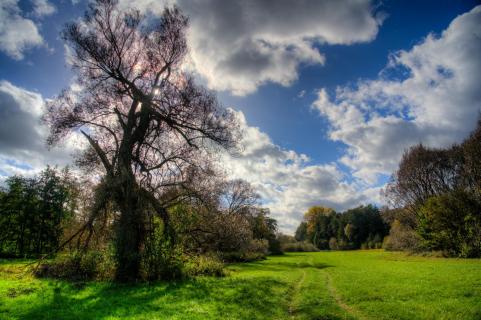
320 285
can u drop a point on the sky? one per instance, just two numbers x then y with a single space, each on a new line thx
328 93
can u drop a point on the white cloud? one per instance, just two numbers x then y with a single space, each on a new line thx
288 181
23 148
42 8
17 33
436 100
243 44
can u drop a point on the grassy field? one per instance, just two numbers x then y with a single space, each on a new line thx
323 285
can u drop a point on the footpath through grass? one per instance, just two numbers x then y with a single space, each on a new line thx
323 285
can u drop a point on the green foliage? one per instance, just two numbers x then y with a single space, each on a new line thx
401 237
301 232
204 265
79 266
33 211
162 258
256 250
359 227
451 222
264 227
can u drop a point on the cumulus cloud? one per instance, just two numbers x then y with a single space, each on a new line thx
22 135
242 44
42 8
288 181
430 94
17 33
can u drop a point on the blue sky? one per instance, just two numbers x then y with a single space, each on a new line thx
329 98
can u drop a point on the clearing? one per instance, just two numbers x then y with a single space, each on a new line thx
323 285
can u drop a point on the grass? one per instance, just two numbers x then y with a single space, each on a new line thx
320 285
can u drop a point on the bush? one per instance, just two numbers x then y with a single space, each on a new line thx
301 246
204 266
401 238
333 244
77 266
275 247
237 256
255 250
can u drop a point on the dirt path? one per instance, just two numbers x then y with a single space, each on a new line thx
295 289
350 310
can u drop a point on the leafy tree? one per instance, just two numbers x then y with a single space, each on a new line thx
318 225
451 222
151 129
327 229
33 210
301 232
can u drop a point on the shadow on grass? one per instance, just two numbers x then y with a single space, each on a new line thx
257 297
204 298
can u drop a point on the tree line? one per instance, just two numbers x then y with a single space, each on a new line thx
361 227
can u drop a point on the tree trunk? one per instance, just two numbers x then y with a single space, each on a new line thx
130 228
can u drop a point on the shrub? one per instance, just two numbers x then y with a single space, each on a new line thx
204 265
255 250
333 244
301 246
237 256
78 266
275 247
401 238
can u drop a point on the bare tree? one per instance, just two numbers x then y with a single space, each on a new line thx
423 172
149 126
238 197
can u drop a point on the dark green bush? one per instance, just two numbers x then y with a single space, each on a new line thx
451 223
78 266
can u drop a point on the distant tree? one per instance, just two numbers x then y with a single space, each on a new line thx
365 222
301 232
327 229
149 126
318 221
